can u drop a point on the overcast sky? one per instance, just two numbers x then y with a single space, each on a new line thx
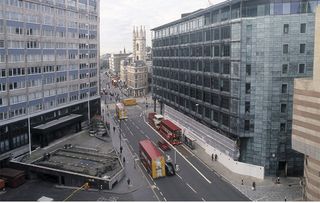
117 19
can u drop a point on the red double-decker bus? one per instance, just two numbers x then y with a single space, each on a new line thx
170 132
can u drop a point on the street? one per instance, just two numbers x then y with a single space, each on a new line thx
194 180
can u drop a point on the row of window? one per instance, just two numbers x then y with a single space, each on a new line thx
14 58
47 33
44 69
243 9
302 49
50 10
215 50
219 33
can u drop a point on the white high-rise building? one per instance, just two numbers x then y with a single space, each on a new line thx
49 70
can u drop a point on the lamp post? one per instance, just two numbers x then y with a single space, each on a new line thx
29 131
89 119
197 105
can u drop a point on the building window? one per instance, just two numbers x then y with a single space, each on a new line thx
247 107
303 28
301 68
284 68
284 88
285 49
247 125
282 127
302 48
283 108
285 28
248 88
248 69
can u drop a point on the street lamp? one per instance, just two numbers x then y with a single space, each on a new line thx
89 120
29 130
197 105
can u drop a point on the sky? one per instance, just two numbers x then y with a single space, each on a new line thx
117 18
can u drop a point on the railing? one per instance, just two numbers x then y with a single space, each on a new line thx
204 133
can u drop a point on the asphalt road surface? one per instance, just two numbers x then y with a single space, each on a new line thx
194 181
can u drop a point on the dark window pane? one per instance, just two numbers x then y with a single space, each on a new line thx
283 108
247 125
284 68
248 69
285 48
284 88
248 88
302 48
303 27
301 68
285 28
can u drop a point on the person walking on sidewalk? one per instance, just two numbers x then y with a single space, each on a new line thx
124 160
212 157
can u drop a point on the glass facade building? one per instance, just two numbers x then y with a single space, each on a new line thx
49 64
231 66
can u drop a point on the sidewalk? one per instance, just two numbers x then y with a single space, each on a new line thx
139 187
266 190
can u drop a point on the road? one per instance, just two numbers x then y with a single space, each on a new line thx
194 181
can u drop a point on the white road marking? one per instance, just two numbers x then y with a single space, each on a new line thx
192 188
179 176
182 156
203 199
148 181
161 193
164 199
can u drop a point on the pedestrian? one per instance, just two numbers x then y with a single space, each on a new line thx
114 129
124 160
121 150
241 181
285 199
253 185
212 157
278 180
128 181
215 157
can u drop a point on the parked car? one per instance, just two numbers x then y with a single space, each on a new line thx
163 145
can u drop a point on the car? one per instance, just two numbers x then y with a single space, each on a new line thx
170 171
163 145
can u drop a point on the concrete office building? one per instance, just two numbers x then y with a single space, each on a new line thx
231 66
49 65
306 122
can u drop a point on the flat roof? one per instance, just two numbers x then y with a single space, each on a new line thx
171 125
57 121
149 147
158 116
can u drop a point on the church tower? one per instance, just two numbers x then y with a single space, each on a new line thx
139 43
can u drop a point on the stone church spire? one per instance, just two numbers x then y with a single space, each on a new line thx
139 43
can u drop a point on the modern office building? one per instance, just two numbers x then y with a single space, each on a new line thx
231 66
306 122
49 65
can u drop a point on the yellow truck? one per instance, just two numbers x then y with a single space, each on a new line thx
129 102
